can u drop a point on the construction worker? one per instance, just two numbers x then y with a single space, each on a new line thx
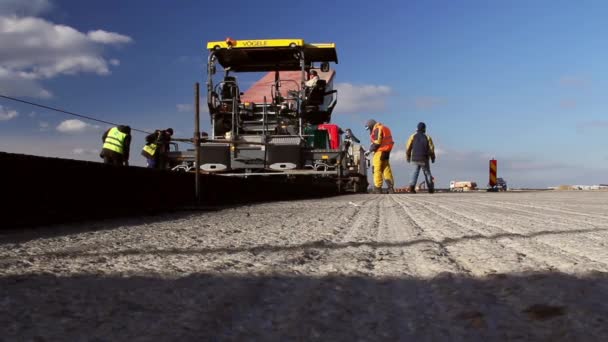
418 150
116 145
149 151
312 79
164 148
382 144
156 148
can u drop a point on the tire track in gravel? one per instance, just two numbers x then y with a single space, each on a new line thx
235 302
593 239
269 295
493 311
375 310
418 308
320 305
547 217
461 208
466 246
568 240
475 245
603 218
421 244
239 308
538 250
224 235
302 305
405 307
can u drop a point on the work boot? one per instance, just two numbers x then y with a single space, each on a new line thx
391 188
431 188
411 189
377 190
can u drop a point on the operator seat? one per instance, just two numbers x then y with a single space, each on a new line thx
229 89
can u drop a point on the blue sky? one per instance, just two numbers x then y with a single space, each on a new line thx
519 81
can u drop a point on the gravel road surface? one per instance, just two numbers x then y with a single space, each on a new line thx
458 267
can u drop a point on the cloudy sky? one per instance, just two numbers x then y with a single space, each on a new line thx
519 81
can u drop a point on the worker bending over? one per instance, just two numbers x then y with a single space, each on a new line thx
382 144
157 147
116 145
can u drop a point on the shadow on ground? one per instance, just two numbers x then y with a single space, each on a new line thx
212 307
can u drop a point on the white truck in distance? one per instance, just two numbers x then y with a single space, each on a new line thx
462 186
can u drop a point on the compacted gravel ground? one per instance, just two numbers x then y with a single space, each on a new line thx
458 267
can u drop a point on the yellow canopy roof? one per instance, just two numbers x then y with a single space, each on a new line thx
269 54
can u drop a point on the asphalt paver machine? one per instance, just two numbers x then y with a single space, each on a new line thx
281 125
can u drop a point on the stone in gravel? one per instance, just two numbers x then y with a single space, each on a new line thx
543 312
25 263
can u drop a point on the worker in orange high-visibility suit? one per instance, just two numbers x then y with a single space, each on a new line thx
382 144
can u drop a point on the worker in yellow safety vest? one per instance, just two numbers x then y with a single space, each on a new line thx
116 144
150 148
156 148
381 144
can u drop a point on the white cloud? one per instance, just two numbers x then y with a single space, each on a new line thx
7 114
35 49
104 37
184 107
114 62
361 98
75 126
24 7
13 84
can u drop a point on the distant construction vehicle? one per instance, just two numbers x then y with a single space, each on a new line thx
280 126
460 186
501 184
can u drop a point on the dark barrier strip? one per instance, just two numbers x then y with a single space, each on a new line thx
41 191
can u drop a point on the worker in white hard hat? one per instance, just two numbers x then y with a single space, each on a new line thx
381 144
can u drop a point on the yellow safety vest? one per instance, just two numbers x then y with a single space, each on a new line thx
150 149
115 140
382 137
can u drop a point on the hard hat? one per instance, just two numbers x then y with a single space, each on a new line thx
370 124
313 72
421 126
